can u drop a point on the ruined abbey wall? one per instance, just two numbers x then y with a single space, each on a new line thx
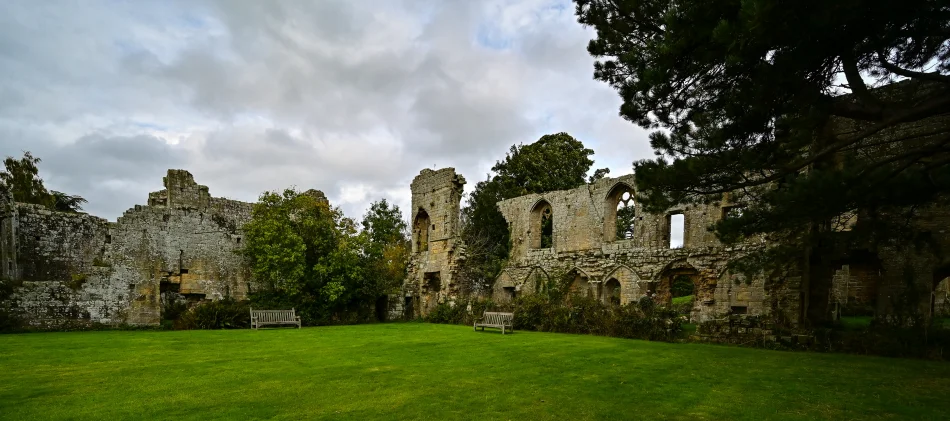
77 268
588 250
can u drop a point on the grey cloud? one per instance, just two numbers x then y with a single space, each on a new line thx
343 96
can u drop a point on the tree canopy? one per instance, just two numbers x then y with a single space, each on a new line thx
302 252
801 110
553 162
386 248
21 178
306 254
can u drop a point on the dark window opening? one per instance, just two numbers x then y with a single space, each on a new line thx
184 271
420 231
612 292
510 293
36 237
108 239
541 234
131 287
407 308
547 229
740 310
239 240
433 281
166 286
165 217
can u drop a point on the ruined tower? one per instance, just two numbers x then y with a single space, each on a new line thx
8 222
436 247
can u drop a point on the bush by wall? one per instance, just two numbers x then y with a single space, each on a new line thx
642 320
222 314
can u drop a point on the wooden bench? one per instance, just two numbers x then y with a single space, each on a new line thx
496 320
274 317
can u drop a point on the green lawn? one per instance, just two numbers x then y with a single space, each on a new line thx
682 300
856 322
423 371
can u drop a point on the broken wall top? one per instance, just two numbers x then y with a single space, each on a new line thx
182 192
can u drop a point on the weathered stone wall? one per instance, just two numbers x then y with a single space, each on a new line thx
77 268
588 252
436 245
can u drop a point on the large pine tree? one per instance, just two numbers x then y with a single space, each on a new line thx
804 110
749 93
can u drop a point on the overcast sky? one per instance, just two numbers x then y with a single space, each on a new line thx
353 97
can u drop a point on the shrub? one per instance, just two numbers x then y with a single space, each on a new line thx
222 314
584 315
930 342
683 306
446 313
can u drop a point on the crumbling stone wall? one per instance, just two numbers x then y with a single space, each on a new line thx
8 225
78 268
437 248
588 250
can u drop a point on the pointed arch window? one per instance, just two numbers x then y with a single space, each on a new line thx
619 213
542 226
420 231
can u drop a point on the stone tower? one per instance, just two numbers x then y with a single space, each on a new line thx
436 245
8 226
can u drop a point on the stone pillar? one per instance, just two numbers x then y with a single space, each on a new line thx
8 228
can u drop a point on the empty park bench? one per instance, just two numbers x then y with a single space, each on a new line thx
274 317
497 320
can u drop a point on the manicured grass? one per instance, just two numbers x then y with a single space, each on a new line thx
422 371
856 322
683 299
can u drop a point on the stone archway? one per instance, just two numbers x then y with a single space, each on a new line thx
630 289
612 292
580 283
537 281
505 287
671 280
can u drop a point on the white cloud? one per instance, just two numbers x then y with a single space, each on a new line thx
352 98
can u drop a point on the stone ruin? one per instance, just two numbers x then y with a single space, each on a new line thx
596 238
575 233
78 268
74 268
437 249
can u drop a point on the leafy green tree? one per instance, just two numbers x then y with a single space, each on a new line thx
749 97
386 249
554 162
21 178
303 253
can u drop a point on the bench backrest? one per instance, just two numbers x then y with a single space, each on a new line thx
274 315
496 318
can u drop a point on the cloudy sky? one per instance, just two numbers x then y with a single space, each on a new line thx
350 97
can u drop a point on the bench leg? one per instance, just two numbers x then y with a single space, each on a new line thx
502 329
